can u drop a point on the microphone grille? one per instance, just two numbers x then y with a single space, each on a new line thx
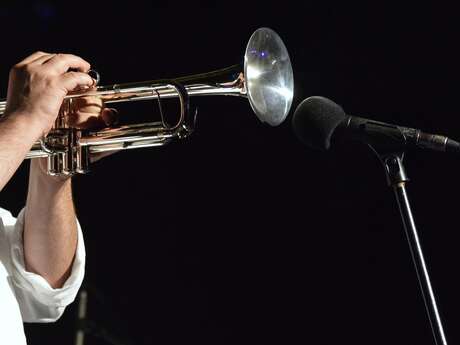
315 120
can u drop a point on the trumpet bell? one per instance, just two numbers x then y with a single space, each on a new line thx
269 77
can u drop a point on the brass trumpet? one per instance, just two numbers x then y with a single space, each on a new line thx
265 78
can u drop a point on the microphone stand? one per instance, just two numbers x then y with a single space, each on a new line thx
397 178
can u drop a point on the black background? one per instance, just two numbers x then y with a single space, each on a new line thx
239 234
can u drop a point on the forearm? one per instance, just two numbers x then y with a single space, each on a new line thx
17 135
50 229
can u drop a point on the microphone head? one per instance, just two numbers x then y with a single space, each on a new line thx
315 120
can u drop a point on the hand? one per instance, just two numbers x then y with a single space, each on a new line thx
38 84
87 113
91 114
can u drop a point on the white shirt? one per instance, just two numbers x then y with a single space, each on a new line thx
25 296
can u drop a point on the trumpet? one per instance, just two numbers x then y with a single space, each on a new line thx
265 78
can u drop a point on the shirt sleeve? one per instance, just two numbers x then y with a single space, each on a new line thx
38 301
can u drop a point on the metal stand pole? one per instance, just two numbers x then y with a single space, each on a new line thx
86 326
81 318
397 179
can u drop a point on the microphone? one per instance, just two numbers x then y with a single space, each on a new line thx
319 123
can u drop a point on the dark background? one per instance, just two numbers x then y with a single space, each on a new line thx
239 234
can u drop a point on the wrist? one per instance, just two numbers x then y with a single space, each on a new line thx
30 126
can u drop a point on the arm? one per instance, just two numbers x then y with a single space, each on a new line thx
50 228
37 87
16 139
